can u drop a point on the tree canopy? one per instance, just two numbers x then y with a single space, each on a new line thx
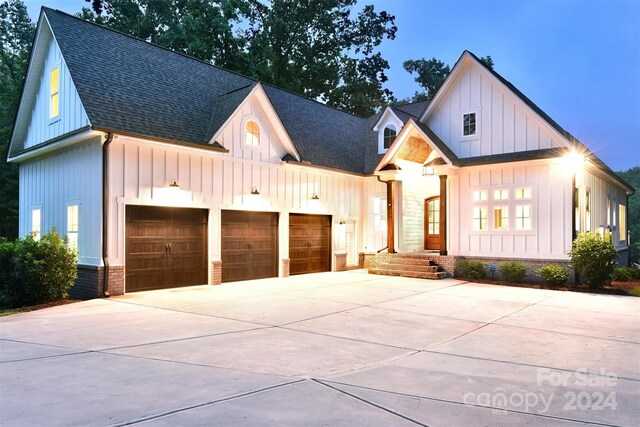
16 35
322 49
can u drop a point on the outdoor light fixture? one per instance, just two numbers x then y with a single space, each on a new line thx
255 192
428 170
315 197
174 184
314 203
574 161
253 199
342 222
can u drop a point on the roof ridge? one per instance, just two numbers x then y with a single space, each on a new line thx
313 100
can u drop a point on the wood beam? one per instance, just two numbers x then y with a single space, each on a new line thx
391 247
443 214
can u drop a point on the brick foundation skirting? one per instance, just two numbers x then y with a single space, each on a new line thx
90 282
341 262
216 273
286 266
448 264
116 280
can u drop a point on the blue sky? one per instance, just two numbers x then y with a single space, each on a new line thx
578 60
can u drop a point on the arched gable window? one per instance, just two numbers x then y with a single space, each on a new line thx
389 136
252 134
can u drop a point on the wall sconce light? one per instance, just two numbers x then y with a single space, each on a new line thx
253 199
314 202
254 191
342 222
174 184
428 170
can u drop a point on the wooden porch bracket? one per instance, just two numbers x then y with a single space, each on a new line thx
390 217
443 214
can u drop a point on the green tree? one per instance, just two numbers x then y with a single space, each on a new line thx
632 176
321 49
16 35
431 73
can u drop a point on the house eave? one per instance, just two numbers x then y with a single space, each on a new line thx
61 141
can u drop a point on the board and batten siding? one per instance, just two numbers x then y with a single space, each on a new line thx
66 177
72 115
606 197
140 172
504 124
551 234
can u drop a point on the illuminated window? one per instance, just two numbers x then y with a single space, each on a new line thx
501 218
587 215
54 92
469 124
389 136
523 217
252 134
72 226
36 222
576 202
479 195
480 218
622 216
501 195
380 213
523 193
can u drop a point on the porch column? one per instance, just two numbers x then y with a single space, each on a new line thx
390 217
443 214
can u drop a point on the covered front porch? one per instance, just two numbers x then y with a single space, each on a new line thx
416 173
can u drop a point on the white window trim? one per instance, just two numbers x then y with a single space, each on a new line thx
67 203
491 203
473 218
396 123
56 118
475 135
383 212
245 120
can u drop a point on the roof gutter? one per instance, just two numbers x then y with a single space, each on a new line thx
105 212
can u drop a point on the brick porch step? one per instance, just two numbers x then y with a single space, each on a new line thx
406 260
407 273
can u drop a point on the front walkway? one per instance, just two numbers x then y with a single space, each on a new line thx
331 348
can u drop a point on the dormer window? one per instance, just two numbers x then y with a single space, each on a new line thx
468 124
54 92
252 134
389 136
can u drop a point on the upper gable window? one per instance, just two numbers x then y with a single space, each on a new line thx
468 124
54 92
252 134
389 136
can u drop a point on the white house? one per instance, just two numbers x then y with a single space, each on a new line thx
166 171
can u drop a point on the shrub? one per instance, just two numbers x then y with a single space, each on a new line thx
35 271
472 269
593 258
635 292
512 271
622 274
553 274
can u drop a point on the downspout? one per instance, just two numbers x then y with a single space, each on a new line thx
105 212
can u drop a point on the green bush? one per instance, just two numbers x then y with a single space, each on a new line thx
35 271
593 258
553 274
622 274
472 269
512 271
635 292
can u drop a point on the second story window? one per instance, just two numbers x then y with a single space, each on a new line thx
468 124
389 136
252 134
54 92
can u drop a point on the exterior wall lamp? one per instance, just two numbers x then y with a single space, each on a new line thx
428 170
255 192
314 202
174 184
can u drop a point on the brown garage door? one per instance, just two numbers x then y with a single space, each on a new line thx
309 243
165 248
249 245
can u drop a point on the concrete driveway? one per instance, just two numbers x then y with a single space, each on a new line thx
326 349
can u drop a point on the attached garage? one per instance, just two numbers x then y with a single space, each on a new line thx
165 247
249 245
309 243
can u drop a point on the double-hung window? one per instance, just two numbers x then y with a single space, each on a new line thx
73 218
36 222
468 124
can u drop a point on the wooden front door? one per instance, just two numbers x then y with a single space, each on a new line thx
165 247
309 243
432 223
249 245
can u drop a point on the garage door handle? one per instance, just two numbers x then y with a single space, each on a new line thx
250 245
166 248
169 247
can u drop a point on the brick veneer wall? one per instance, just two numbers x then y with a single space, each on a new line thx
216 272
341 262
286 264
361 260
116 280
88 283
